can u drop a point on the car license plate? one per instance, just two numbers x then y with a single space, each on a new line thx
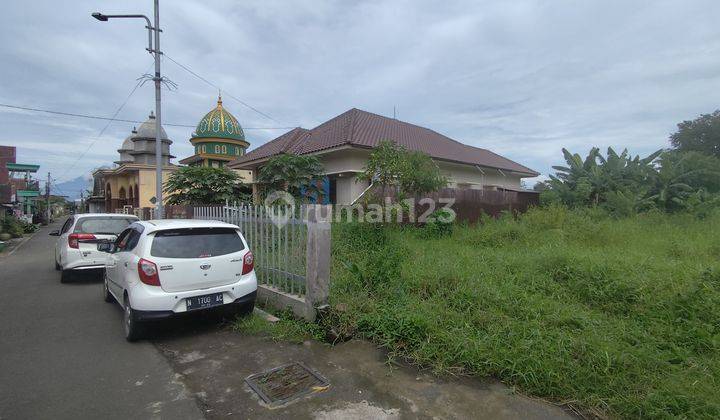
204 301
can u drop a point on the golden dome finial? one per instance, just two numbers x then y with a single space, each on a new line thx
219 98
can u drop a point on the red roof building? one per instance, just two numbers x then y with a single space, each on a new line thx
343 144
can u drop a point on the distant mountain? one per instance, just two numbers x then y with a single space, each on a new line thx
72 188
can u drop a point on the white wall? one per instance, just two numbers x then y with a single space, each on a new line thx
349 188
475 179
345 160
354 160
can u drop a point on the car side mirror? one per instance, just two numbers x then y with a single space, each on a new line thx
54 233
108 247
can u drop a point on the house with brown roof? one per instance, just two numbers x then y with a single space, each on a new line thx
344 143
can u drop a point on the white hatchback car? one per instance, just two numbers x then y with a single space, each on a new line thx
76 246
160 268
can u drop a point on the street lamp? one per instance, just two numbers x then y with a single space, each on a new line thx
155 51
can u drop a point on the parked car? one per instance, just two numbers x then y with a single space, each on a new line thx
162 268
76 246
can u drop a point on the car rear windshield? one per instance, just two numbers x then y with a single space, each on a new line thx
102 225
195 243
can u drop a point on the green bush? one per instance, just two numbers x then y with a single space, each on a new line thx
13 226
440 223
28 227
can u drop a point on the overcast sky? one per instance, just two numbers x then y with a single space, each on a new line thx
522 78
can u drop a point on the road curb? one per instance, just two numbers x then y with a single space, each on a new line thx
24 240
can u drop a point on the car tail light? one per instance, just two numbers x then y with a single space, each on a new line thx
148 272
75 238
248 263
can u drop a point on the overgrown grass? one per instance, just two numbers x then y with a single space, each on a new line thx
287 329
620 318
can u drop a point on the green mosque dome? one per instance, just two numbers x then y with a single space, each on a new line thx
219 123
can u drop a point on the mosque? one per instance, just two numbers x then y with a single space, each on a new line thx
218 139
130 183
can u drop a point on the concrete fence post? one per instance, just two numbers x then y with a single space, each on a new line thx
317 276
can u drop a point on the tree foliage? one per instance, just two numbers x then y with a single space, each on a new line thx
299 175
384 166
409 173
420 175
699 135
669 180
203 185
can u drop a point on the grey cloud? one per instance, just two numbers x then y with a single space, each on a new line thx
523 78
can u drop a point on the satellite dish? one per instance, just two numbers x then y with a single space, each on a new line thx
153 200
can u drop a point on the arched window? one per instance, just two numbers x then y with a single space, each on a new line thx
108 199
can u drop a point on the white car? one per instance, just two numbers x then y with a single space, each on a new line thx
161 268
76 246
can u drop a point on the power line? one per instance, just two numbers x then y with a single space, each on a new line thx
97 117
82 155
54 184
186 68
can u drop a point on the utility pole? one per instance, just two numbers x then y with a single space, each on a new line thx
47 199
157 78
158 120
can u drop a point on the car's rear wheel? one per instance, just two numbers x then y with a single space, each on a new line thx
239 310
107 296
247 308
65 276
131 325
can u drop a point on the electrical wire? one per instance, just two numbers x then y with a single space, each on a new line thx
186 68
54 184
92 143
97 117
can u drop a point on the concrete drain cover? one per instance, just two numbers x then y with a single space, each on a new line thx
286 383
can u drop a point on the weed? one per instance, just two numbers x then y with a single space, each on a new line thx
618 315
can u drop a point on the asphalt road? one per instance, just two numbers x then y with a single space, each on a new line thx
63 354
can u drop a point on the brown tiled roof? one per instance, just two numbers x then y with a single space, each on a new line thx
365 129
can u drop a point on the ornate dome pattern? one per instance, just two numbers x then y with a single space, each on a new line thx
219 123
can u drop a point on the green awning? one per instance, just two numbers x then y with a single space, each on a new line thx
22 167
27 193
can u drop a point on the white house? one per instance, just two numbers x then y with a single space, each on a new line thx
344 143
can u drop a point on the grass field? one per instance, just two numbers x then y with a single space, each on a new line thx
617 318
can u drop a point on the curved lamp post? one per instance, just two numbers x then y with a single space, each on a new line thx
155 51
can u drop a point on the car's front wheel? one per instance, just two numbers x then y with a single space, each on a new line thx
133 327
107 296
